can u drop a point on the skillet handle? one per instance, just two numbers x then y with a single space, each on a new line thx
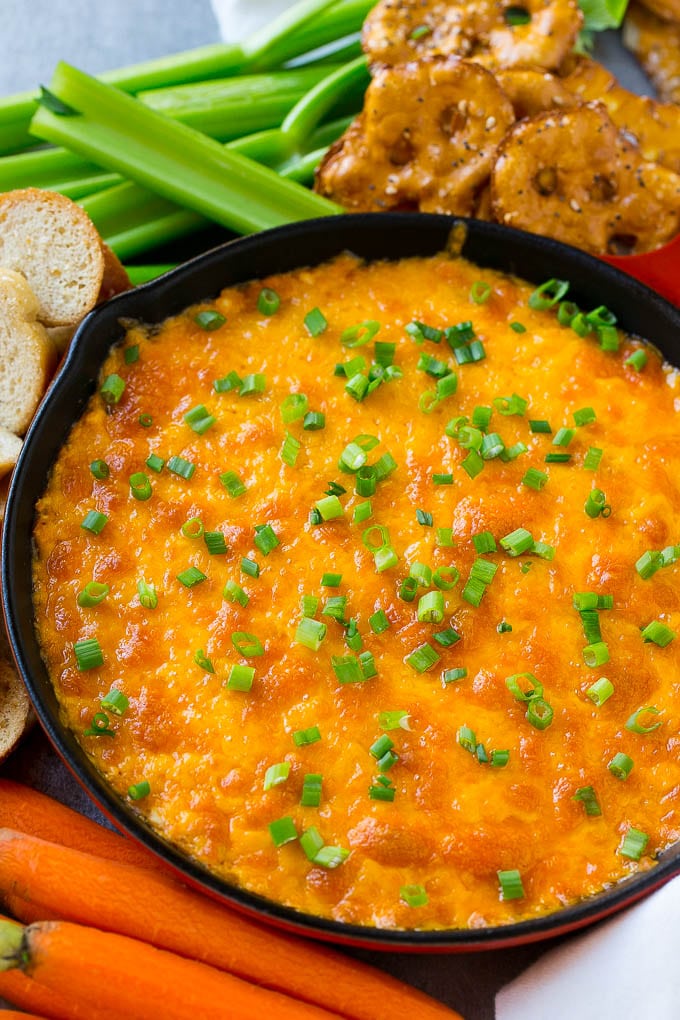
659 269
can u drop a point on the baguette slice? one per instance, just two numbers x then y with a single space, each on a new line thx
27 355
53 242
10 448
15 708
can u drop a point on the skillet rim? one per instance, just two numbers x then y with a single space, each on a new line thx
503 248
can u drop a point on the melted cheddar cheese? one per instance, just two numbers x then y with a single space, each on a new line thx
204 746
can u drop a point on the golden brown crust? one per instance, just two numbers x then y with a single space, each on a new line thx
397 31
115 279
573 177
656 44
654 126
532 90
426 139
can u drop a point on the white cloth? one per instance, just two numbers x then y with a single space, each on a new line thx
625 969
238 18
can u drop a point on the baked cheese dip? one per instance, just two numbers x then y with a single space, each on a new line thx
360 584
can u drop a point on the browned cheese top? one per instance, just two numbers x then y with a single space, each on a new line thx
419 808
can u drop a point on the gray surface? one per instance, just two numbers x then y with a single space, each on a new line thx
98 36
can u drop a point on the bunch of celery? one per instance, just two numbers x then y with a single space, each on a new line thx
150 169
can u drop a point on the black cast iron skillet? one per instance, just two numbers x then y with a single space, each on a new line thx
370 236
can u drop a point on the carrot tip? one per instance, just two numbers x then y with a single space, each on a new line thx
11 945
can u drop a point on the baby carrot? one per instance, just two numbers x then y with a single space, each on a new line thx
39 877
133 980
23 808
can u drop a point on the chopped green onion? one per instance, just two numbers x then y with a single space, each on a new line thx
557 458
504 627
352 457
394 720
366 481
310 633
230 382
450 676
88 654
378 622
290 450
145 420
421 573
445 578
431 607
517 542
147 594
467 739
380 792
100 469
362 333
140 486
347 669
276 775
442 479
384 466
600 691
180 466
315 322
566 313
199 419
584 416
330 508
472 464
155 463
469 438
637 360
596 654
658 633
265 538
294 406
202 660
484 542
309 605
313 421
191 577
414 895
592 459
131 354
648 564
634 726
241 678
492 446
233 484
539 713
138 791
447 638
609 338
408 589
445 537
535 479
246 644
282 831
193 528
424 518
115 701
591 625
511 884
94 521
480 292
513 685
513 452
362 512
112 389
621 765
301 738
381 746
539 425
419 32
256 382
419 331
447 386
384 352
510 405
311 842
422 658
216 543
587 796
99 727
234 593
92 594
311 790
268 301
474 591
548 294
330 856
209 319
517 327
634 844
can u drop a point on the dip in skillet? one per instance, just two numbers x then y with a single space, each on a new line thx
360 581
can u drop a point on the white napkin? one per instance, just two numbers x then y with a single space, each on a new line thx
239 18
625 969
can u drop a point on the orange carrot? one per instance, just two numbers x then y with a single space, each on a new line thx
23 808
11 1014
39 877
133 980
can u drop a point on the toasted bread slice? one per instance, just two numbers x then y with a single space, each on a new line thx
10 448
27 355
15 708
53 242
115 279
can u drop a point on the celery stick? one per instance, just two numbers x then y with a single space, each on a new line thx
142 274
232 107
351 79
335 23
171 159
55 170
338 52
